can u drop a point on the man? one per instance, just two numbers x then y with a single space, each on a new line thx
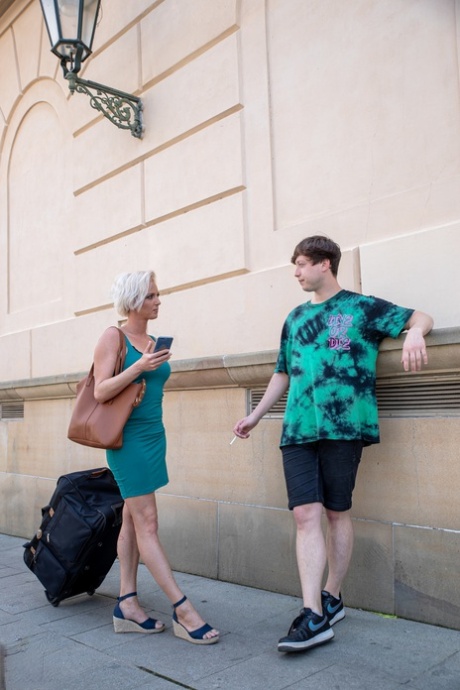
327 360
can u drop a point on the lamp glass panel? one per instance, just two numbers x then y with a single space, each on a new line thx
78 19
68 12
90 15
49 12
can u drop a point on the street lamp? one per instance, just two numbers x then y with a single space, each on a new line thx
71 25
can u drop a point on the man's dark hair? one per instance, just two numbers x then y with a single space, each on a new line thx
317 248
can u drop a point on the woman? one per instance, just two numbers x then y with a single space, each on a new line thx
139 466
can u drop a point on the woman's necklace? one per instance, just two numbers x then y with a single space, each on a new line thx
138 340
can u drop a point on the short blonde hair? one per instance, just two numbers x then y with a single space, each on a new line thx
129 290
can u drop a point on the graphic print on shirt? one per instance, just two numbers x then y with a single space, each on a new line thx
338 331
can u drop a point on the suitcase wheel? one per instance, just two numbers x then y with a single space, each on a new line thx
91 592
52 600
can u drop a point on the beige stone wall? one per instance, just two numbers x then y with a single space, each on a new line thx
265 121
223 514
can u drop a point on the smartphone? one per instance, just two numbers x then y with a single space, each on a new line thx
163 343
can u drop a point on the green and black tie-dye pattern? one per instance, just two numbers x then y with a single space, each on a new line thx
329 352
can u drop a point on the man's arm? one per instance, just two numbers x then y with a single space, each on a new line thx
278 385
414 348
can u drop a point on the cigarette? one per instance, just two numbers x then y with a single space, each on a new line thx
233 440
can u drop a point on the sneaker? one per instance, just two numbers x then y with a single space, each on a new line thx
308 630
332 607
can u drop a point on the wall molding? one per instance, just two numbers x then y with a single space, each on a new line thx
245 370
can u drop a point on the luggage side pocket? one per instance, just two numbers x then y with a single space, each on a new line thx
48 570
67 534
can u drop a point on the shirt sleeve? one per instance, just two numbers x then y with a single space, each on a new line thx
388 319
281 366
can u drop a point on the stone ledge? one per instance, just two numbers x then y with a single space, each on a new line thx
245 370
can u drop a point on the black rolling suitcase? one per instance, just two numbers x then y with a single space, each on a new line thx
76 543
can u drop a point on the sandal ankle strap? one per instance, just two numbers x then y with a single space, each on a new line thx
127 596
179 603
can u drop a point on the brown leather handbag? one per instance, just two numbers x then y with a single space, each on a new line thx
100 425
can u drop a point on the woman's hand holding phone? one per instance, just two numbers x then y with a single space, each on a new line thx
155 354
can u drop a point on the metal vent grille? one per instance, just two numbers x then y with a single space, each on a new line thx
276 412
409 396
419 395
11 411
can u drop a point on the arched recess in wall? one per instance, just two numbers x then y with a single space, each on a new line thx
36 223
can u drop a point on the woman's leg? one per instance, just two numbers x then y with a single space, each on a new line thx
144 515
128 556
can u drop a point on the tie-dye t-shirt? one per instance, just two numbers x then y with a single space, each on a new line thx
329 351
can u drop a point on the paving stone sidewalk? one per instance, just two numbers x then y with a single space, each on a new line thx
73 646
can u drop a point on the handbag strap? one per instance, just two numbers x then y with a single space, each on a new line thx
121 354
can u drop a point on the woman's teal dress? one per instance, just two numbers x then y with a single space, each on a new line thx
139 466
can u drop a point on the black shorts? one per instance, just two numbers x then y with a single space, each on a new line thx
322 472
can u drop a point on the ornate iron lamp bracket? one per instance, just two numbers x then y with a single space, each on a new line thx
123 109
